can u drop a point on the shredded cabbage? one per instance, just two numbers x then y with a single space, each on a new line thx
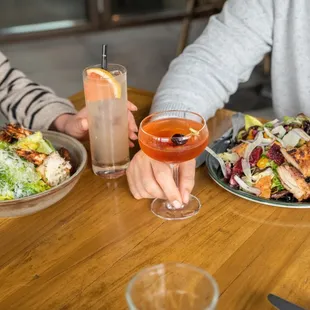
246 187
262 174
229 157
272 136
219 159
246 170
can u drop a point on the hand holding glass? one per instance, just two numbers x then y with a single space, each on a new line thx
174 137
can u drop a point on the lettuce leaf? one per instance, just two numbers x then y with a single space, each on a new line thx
291 120
18 177
275 182
35 142
268 125
4 145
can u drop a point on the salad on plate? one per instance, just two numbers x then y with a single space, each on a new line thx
270 160
29 164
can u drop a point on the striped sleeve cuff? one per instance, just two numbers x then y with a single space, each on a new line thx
43 118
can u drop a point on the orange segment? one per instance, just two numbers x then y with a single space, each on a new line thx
262 163
101 85
264 184
240 149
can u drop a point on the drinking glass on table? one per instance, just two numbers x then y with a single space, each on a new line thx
172 286
174 137
106 101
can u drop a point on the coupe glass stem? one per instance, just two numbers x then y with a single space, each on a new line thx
175 173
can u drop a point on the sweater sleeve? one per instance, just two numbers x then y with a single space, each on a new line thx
22 101
203 77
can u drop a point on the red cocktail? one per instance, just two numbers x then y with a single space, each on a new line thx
174 137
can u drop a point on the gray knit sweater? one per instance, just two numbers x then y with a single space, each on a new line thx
26 102
209 71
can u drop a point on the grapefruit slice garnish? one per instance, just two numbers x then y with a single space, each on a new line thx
104 77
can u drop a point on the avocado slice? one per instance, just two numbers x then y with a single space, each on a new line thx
251 121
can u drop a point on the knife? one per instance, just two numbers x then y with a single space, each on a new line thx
282 304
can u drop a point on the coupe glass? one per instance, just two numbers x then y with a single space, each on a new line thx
172 286
174 137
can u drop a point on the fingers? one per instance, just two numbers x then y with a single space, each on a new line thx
187 179
132 126
141 180
139 192
131 106
84 124
133 177
131 144
130 173
132 129
164 177
132 135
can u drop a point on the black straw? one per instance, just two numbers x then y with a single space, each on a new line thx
104 57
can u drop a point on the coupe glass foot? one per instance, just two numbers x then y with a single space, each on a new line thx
163 209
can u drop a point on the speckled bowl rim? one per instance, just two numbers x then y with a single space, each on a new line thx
78 171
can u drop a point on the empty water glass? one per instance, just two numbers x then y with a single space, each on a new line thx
172 286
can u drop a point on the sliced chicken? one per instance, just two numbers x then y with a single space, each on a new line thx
294 182
299 158
13 131
64 153
54 169
16 131
32 156
5 137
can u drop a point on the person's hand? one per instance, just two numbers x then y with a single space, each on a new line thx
77 125
148 178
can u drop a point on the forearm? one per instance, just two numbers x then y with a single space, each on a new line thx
25 102
209 71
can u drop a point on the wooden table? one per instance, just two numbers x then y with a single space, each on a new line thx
81 253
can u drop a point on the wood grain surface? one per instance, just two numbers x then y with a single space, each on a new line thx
81 253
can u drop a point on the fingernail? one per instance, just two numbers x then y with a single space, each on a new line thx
186 197
177 204
133 136
133 107
84 124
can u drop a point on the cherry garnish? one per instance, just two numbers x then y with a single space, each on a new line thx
179 139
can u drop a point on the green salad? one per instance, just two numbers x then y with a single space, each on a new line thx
29 164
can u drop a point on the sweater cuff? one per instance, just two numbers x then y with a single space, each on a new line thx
45 117
166 106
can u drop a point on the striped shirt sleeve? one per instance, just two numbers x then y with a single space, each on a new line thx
25 102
